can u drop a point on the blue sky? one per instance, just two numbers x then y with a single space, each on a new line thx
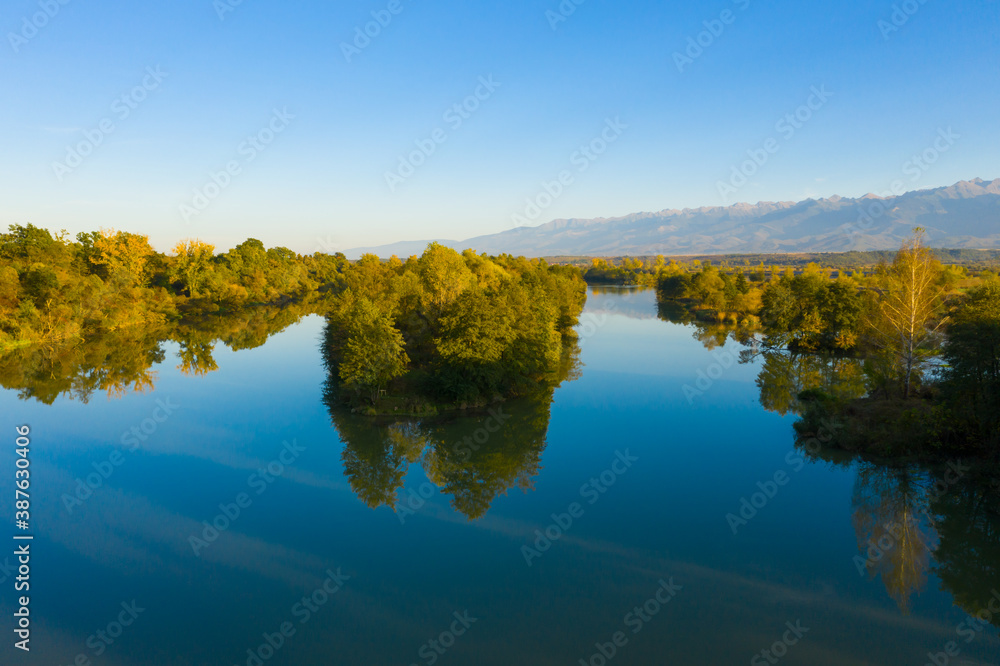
321 184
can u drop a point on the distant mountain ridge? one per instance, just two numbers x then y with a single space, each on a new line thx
964 215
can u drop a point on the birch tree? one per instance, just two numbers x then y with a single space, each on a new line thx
908 312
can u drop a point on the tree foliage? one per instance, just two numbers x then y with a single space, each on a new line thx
192 264
972 378
56 291
907 315
374 353
474 328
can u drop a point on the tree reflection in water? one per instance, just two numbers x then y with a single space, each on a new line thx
893 529
908 521
120 362
473 457
967 518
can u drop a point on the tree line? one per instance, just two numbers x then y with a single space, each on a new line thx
54 290
445 326
927 335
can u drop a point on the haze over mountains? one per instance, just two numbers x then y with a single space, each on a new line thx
964 215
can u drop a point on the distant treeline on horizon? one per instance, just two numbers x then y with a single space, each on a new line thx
853 260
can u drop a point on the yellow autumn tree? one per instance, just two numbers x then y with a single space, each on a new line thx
192 264
124 255
908 314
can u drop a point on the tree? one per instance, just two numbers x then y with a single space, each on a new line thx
444 274
192 264
125 256
907 314
778 312
473 335
840 308
374 353
9 288
40 284
674 287
29 243
248 264
972 380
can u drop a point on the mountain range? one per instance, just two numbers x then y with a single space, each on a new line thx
964 215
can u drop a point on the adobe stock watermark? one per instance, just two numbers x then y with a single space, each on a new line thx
915 167
258 482
767 490
246 152
591 491
303 611
787 126
704 40
121 109
969 629
901 15
363 35
779 648
104 638
329 245
582 159
414 500
104 470
455 116
565 9
6 570
635 620
592 322
724 360
435 648
223 7
32 25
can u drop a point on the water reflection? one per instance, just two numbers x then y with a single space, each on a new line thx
785 375
116 364
967 560
121 362
909 521
473 457
891 522
711 333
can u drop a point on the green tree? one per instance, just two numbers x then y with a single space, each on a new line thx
248 264
30 244
444 274
972 380
374 353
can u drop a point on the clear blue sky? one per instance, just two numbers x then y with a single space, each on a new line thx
321 182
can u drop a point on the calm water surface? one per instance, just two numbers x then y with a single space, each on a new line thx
632 476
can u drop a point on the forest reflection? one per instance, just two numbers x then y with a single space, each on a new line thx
473 456
118 363
909 520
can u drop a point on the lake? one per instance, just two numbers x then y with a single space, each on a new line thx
653 509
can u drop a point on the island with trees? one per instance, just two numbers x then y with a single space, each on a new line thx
450 330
